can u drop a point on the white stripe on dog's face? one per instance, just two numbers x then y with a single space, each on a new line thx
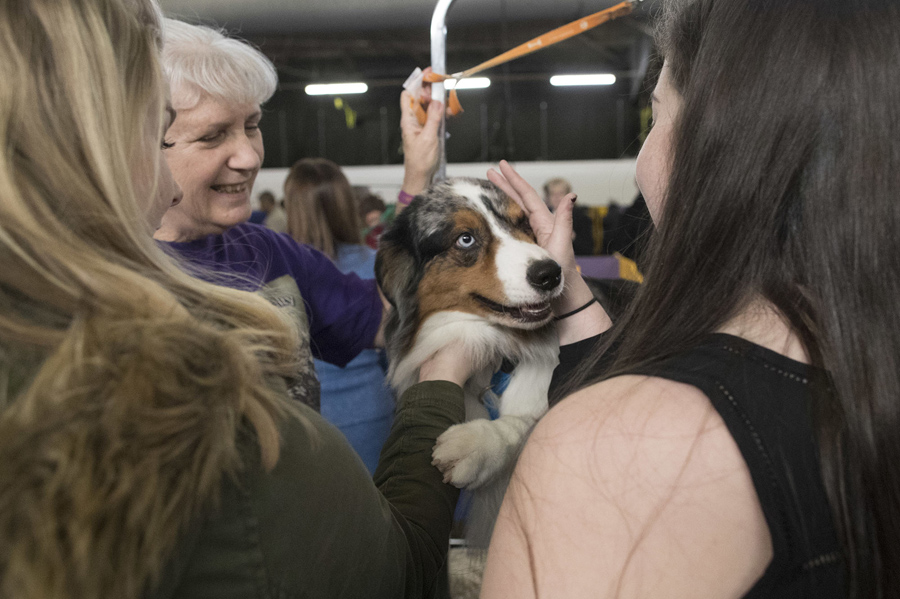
512 256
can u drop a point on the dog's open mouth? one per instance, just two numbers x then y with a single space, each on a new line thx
526 313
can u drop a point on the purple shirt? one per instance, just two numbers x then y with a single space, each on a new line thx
341 311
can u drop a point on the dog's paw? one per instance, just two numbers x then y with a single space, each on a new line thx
469 454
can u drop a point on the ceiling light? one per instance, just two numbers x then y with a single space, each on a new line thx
468 83
593 79
331 89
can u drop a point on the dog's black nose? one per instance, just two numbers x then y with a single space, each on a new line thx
544 274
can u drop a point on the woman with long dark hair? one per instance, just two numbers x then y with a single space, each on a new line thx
738 432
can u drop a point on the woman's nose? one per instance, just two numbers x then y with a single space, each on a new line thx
245 156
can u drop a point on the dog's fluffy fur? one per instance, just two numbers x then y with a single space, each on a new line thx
461 267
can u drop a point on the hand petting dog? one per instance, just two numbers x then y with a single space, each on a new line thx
554 233
553 230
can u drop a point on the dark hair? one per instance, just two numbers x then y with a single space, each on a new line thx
320 205
367 202
784 184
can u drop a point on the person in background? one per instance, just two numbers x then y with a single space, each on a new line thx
737 433
215 150
322 212
370 206
258 216
555 190
148 446
602 230
275 218
375 215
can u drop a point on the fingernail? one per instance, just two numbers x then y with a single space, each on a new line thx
574 197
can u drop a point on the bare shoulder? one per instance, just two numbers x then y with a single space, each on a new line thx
634 487
631 404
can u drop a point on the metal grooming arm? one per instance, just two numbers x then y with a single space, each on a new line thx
439 65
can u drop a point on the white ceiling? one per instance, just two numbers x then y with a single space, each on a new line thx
283 16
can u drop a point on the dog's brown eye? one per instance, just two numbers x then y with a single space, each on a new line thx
465 241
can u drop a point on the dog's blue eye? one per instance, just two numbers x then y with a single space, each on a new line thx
465 241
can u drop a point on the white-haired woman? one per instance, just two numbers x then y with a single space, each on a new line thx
147 446
215 151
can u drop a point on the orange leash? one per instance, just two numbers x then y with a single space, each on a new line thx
542 41
539 43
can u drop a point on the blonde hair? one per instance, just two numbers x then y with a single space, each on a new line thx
321 206
200 60
557 182
98 327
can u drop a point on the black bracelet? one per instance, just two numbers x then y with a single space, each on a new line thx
576 310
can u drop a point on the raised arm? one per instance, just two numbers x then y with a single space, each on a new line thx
420 159
420 145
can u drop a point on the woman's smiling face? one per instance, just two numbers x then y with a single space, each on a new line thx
216 153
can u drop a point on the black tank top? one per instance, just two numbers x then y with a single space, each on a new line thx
764 399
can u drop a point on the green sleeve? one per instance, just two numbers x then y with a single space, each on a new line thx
414 488
317 526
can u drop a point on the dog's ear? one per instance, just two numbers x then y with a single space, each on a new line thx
398 273
395 262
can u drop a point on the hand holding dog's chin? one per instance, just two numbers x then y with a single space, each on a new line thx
446 365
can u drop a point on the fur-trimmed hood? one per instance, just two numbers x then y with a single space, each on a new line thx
100 476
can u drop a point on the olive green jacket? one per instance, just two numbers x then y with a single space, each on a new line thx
316 526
